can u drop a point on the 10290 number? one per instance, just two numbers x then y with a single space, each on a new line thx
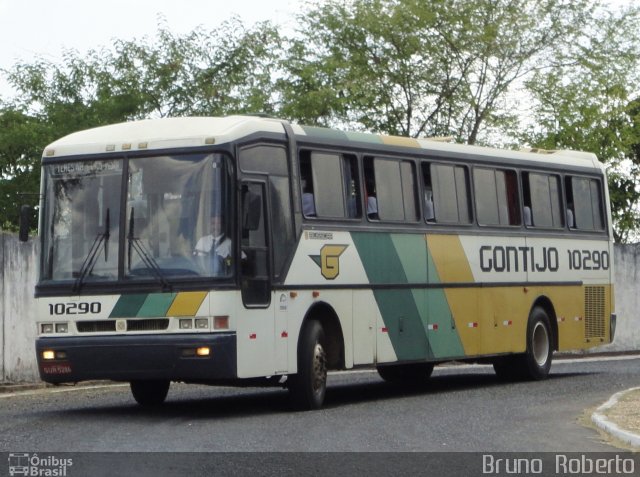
80 308
588 260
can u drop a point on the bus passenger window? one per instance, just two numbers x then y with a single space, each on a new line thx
429 211
541 193
446 189
496 193
584 203
390 189
324 174
306 184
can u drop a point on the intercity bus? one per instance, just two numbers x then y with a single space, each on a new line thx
248 250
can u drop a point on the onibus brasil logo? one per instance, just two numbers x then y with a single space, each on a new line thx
329 260
24 463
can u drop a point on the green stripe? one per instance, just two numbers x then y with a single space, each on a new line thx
324 133
364 137
128 306
156 304
399 308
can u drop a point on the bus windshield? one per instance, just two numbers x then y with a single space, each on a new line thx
173 223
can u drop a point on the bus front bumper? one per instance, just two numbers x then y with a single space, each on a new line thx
137 357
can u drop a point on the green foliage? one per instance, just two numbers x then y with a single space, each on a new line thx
586 103
227 70
416 68
547 73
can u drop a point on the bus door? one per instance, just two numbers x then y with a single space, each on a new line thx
255 325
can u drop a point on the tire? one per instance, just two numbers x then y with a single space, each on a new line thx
535 363
539 354
149 393
308 387
412 373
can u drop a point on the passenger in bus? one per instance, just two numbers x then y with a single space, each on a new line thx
308 202
528 220
429 211
570 217
216 247
372 201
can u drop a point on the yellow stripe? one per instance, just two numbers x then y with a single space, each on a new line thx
186 304
450 259
399 141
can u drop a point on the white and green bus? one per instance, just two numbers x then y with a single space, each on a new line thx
248 251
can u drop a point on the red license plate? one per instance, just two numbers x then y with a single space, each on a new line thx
56 368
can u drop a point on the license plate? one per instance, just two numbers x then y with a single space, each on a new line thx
56 368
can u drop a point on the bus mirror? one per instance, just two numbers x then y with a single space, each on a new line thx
25 223
252 207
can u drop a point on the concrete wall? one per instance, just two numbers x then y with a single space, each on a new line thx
19 270
627 305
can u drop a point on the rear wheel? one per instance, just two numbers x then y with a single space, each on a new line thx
149 393
535 363
412 373
539 345
308 387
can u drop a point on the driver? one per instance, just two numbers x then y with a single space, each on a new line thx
216 245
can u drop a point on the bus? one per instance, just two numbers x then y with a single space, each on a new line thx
249 251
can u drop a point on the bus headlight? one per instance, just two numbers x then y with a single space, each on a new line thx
46 328
202 323
62 328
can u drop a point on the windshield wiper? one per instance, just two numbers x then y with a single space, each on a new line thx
92 256
136 244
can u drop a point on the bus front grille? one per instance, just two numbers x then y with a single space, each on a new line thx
96 326
594 315
109 326
148 325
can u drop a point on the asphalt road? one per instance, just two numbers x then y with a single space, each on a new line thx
463 408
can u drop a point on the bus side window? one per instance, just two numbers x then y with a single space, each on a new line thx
306 185
429 210
330 185
496 194
584 203
542 207
446 194
394 189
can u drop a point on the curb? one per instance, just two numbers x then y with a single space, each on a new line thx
601 421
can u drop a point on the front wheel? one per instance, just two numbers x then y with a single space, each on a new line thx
149 393
308 387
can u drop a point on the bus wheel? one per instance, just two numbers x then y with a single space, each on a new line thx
535 363
412 373
149 393
539 353
307 388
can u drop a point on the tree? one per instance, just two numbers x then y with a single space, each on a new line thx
224 71
418 68
586 103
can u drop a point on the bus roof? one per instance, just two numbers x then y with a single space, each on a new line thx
167 133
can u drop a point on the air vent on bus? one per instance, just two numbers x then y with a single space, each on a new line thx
96 326
148 325
594 315
109 326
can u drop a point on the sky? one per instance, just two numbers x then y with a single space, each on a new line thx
32 29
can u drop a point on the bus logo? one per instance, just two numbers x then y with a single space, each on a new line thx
329 260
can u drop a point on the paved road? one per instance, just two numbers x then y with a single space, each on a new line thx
462 409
